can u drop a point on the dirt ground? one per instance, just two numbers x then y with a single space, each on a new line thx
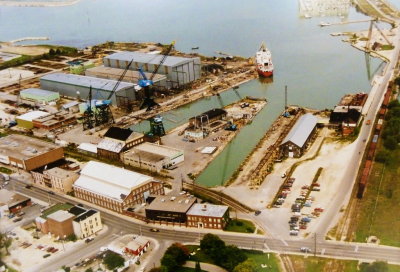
332 157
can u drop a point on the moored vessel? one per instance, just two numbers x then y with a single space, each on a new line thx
265 67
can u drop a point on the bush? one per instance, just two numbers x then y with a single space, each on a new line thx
390 143
382 156
113 260
239 223
72 237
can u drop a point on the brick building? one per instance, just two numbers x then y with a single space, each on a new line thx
208 216
116 140
114 188
28 153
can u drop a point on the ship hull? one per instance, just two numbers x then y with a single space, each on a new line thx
265 73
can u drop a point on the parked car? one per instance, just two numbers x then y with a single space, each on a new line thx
28 186
88 240
283 175
305 249
17 219
257 212
154 230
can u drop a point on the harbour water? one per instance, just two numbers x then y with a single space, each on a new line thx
317 68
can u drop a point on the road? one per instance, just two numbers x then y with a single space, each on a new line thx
120 225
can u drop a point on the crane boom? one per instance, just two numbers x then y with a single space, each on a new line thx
119 80
164 57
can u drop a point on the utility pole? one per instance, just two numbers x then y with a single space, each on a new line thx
286 97
315 244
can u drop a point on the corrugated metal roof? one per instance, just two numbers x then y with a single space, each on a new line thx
301 130
70 104
148 58
162 150
96 83
38 92
88 147
110 181
30 115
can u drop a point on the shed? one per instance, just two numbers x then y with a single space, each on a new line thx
295 143
26 120
39 95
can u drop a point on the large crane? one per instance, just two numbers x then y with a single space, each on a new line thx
147 83
101 114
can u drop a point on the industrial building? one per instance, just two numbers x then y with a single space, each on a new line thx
26 120
54 120
347 113
116 140
179 70
169 208
34 95
153 157
28 153
130 76
202 124
11 202
208 216
296 142
114 188
78 86
59 180
130 244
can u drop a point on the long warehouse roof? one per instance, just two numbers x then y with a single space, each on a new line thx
115 73
94 82
301 130
38 92
109 181
148 58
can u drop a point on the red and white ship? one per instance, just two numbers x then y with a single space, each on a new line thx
265 67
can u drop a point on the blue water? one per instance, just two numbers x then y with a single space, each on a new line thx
317 68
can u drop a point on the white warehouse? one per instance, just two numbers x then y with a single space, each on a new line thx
179 70
76 85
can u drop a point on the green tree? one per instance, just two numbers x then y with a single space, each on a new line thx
52 52
169 262
5 242
382 156
247 266
72 237
230 257
113 260
374 267
212 245
89 270
179 252
390 143
197 268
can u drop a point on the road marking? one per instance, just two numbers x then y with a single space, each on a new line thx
323 251
356 248
266 246
284 242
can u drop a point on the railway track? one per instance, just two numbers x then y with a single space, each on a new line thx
218 197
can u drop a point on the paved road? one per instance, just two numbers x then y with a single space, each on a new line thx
117 224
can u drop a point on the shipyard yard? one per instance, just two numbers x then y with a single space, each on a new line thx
129 145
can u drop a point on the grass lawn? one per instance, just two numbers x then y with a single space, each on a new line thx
56 207
384 223
258 256
240 225
261 258
316 264
6 170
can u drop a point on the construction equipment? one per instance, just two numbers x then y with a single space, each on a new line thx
147 83
98 112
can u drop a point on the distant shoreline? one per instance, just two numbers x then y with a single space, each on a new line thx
38 4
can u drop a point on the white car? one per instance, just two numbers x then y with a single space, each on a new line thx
305 249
